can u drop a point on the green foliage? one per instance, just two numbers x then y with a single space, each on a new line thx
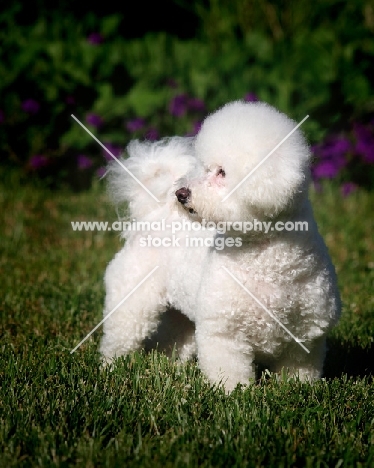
304 58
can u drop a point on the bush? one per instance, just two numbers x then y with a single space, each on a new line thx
303 58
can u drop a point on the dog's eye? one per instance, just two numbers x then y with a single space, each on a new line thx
221 172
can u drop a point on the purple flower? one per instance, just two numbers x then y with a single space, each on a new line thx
135 124
152 134
336 147
115 150
326 170
37 161
30 106
95 38
197 126
178 105
196 104
84 162
331 157
251 97
101 172
94 119
364 142
347 188
2 116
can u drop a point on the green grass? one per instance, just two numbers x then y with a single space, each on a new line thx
59 409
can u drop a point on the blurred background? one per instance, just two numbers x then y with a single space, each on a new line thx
157 69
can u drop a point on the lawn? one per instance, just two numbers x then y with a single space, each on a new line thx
59 409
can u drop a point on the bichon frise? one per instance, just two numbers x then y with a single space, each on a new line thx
264 288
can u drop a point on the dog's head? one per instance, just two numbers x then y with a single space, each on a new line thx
247 172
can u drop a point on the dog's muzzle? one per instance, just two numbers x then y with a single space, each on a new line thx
183 194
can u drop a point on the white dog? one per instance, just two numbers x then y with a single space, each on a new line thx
255 292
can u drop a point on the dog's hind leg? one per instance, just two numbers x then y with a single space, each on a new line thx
138 316
307 366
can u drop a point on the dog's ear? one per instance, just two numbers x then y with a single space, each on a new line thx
243 139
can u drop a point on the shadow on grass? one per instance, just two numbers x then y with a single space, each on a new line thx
354 361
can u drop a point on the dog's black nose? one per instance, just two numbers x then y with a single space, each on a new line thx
183 195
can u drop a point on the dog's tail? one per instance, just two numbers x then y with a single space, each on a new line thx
144 181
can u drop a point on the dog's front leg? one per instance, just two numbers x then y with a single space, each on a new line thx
224 361
132 308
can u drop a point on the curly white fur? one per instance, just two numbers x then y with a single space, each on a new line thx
290 273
